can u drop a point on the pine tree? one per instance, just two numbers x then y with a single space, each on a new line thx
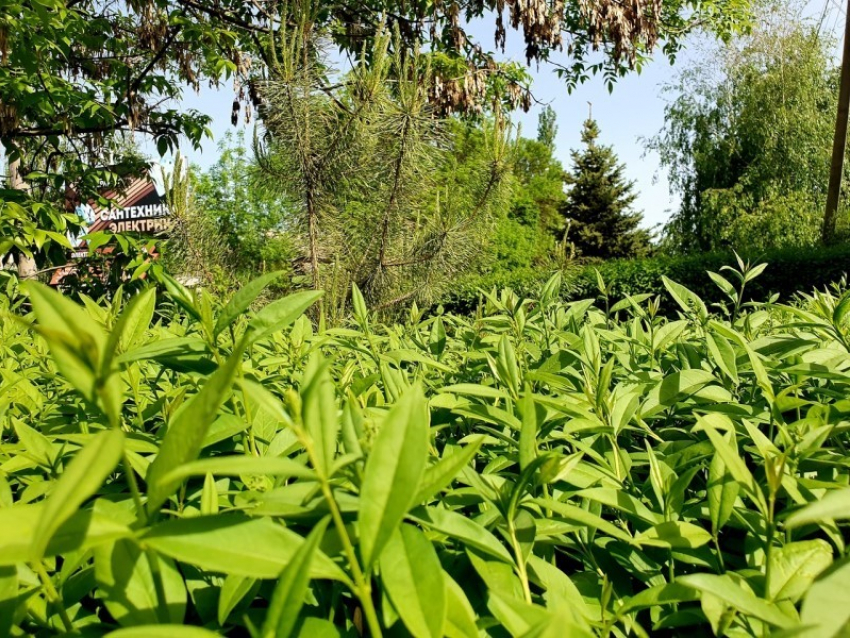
600 220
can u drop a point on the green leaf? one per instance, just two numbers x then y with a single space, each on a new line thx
393 472
528 434
793 568
135 319
187 430
83 476
462 528
126 583
582 517
279 314
674 534
723 355
722 491
666 594
359 305
81 531
442 473
687 299
239 465
235 544
413 579
834 505
233 590
242 300
825 612
319 414
729 455
76 339
288 596
163 631
727 590
8 598
460 617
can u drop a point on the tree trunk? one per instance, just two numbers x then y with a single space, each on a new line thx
26 265
840 141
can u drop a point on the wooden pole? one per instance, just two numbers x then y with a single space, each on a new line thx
840 140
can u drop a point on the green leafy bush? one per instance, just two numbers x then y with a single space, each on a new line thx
788 271
541 469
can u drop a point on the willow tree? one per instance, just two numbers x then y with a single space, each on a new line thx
356 161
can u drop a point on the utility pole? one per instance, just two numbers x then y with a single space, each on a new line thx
840 141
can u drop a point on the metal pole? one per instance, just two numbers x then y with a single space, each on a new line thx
840 140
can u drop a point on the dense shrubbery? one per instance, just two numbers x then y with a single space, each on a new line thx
788 271
542 469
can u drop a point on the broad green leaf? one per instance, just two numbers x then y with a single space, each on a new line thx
234 544
288 596
687 299
528 434
184 438
667 594
516 615
825 612
126 583
233 591
313 627
730 457
463 529
722 355
727 590
834 505
83 476
413 579
475 390
238 465
359 305
279 314
134 320
460 617
440 475
242 300
793 568
622 501
319 414
674 534
582 517
499 577
722 491
393 472
76 340
35 444
81 531
507 365
163 631
8 597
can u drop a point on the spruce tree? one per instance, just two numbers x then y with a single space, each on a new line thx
600 220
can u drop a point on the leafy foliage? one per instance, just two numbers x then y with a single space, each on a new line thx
789 271
747 139
539 469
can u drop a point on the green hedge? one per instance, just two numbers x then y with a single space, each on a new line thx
789 272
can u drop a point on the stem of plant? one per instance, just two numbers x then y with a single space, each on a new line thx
361 582
53 596
522 572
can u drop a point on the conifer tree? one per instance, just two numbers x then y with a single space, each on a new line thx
600 220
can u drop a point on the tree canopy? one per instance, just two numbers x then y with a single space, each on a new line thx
599 216
747 140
